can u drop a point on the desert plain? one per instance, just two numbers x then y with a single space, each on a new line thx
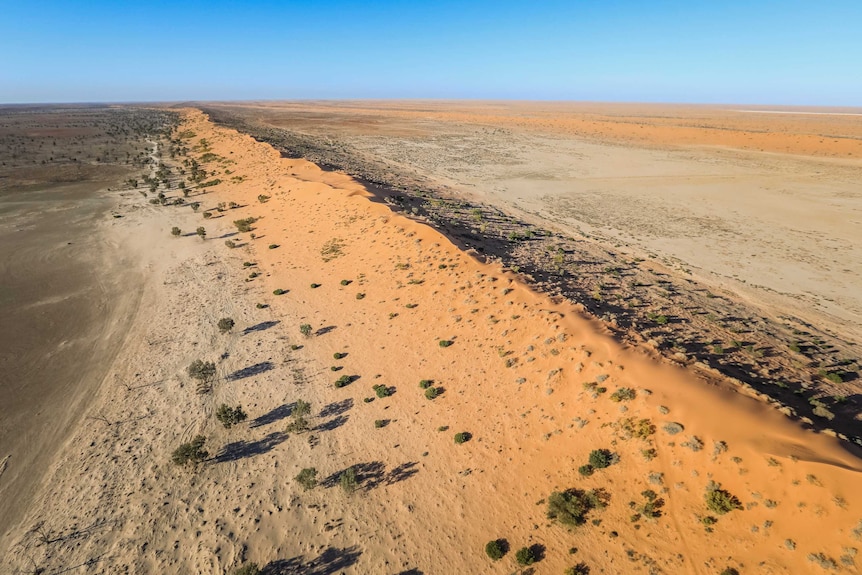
622 337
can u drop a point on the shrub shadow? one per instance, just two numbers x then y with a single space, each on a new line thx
281 412
242 449
331 561
260 326
251 370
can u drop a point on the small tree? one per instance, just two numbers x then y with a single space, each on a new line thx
191 452
203 371
347 480
307 478
201 231
601 458
230 416
720 501
496 549
525 556
300 410
225 324
176 232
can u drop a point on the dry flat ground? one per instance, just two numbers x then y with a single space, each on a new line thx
535 384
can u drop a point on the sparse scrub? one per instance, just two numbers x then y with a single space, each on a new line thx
191 452
623 394
225 324
572 507
307 478
230 416
720 501
462 437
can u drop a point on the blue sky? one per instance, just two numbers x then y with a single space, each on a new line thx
755 51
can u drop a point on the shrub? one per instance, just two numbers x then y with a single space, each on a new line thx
244 225
339 355
431 393
260 305
382 391
720 501
378 423
307 478
230 416
207 215
586 470
601 458
343 380
195 206
193 451
278 291
248 569
230 243
305 329
346 282
202 232
273 246
729 571
225 324
525 556
579 569
203 371
445 343
462 437
176 232
623 394
315 286
262 198
571 507
426 383
347 480
496 549
360 296
673 428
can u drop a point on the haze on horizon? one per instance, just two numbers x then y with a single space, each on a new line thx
762 52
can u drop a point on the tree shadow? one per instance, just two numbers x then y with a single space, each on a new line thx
260 326
227 235
251 370
242 449
281 412
538 551
332 424
337 408
325 330
413 571
331 561
372 474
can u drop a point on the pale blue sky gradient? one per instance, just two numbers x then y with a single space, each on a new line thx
753 52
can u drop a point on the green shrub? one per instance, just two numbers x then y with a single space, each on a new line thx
623 394
305 329
444 343
343 380
230 416
191 452
248 569
496 549
176 232
379 423
262 198
315 286
382 391
244 225
571 507
462 437
230 243
579 569
426 383
601 458
347 480
338 355
307 478
203 371
207 215
225 324
273 246
201 232
360 296
431 393
279 291
720 501
586 470
525 556
346 282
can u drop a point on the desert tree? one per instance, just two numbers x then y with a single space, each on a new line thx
201 231
191 452
230 416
